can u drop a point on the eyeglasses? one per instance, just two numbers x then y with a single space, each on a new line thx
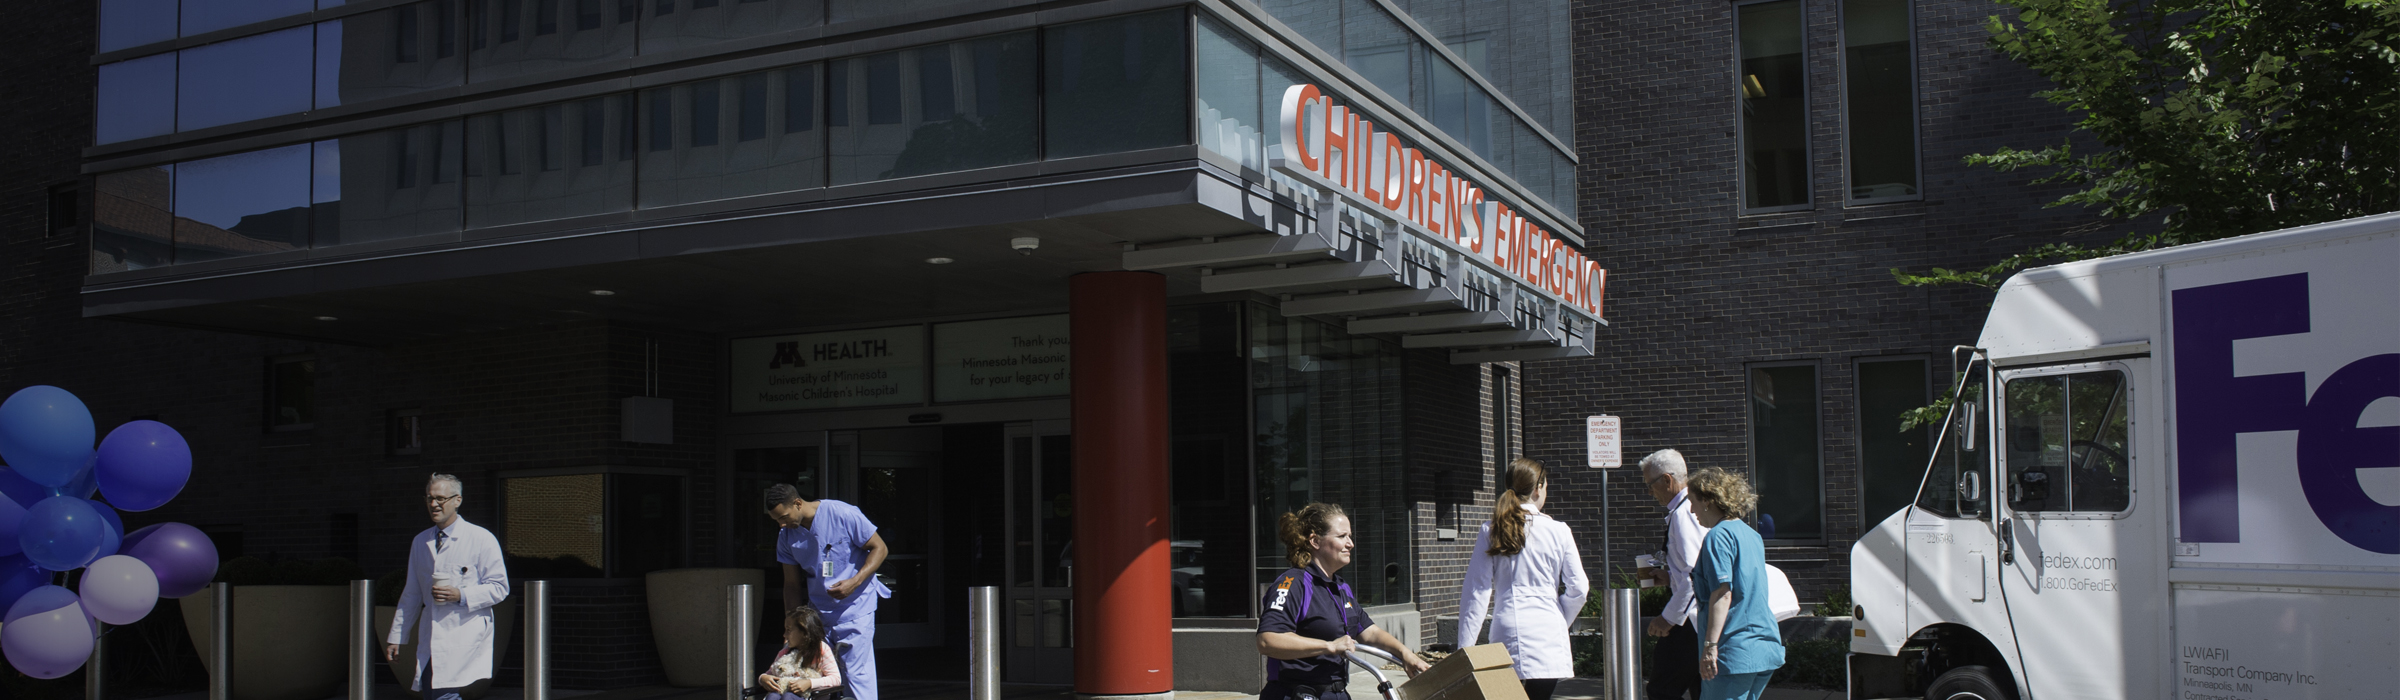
437 500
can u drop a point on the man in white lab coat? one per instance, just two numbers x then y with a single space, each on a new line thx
1675 665
454 641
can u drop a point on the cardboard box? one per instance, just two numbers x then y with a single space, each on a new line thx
1474 673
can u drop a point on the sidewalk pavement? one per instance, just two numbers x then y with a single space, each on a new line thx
1362 687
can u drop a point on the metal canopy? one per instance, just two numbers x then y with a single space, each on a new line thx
1343 264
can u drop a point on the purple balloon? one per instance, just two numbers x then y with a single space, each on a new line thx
180 554
12 516
45 432
47 635
18 576
143 464
62 533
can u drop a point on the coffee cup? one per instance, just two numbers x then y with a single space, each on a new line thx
441 578
1645 561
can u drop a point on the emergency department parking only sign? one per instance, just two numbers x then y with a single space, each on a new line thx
1602 442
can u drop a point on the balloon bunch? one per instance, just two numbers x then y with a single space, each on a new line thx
50 523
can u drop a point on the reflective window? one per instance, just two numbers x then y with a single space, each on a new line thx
136 99
1890 460
242 204
1210 549
1459 108
129 23
1786 459
389 53
203 16
535 164
388 184
671 24
1274 77
1880 104
1327 417
517 37
881 127
1113 85
1319 21
771 141
1228 112
2067 443
133 220
1379 48
1520 46
1965 442
243 79
1773 89
852 10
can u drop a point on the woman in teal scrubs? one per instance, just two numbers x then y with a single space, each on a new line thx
1740 647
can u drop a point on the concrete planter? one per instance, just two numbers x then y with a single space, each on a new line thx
504 627
687 620
287 640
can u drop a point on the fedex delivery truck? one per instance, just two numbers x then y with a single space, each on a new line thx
2171 474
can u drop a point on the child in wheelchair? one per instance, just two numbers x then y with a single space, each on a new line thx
805 669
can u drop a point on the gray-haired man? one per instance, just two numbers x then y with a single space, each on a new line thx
455 576
1675 667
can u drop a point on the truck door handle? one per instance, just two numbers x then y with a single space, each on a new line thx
2008 542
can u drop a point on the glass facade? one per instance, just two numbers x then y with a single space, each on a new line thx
942 108
1327 428
1518 46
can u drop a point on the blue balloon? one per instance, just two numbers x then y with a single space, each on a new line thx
143 464
12 516
84 483
17 576
115 539
20 489
45 433
62 533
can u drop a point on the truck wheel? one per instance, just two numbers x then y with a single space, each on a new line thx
1967 683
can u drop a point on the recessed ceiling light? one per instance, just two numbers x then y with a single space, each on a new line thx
328 318
940 261
603 293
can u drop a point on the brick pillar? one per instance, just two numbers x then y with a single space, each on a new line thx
1123 641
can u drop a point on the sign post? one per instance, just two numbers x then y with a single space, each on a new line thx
1604 449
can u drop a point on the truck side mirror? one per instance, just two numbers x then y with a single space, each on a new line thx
1966 425
1970 487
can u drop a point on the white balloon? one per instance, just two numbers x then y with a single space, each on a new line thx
119 590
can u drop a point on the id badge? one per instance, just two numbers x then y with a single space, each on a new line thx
825 569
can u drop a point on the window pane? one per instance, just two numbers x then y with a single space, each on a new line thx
292 394
2097 449
1460 108
1774 106
518 167
555 524
244 79
1378 47
1210 549
202 16
242 204
1317 20
1520 46
666 28
1228 113
879 130
1274 77
133 220
1882 104
2037 443
1891 461
517 37
2066 443
1784 452
1328 429
1939 494
130 23
648 523
136 99
388 184
850 10
790 156
1115 85
403 50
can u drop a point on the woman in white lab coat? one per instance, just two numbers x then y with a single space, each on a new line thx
1522 559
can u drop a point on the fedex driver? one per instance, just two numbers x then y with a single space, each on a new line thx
832 547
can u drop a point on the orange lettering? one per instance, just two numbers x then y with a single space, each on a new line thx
1296 131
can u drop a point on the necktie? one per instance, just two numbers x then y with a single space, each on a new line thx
441 541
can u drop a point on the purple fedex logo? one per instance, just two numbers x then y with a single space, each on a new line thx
2212 406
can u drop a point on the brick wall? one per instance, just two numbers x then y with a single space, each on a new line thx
1697 290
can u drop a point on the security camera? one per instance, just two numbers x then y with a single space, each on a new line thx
1024 245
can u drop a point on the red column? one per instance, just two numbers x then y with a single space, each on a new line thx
1123 642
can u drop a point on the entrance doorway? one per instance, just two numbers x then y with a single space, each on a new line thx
1040 602
891 475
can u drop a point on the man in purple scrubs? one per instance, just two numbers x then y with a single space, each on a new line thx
835 550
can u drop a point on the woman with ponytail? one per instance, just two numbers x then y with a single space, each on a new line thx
1309 621
1522 559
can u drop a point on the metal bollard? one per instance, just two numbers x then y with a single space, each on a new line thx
983 643
741 634
220 642
1623 611
95 669
362 640
537 640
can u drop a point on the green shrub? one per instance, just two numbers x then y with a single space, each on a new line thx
1837 603
1814 663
